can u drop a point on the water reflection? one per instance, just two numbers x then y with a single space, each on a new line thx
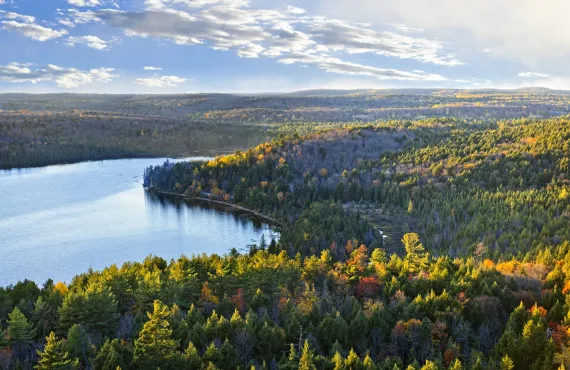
58 221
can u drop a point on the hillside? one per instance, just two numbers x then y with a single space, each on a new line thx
457 183
472 271
43 129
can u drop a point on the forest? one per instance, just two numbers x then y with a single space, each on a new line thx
45 129
440 243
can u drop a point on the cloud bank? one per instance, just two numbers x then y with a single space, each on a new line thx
62 77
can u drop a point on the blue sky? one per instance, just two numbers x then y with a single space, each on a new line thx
175 46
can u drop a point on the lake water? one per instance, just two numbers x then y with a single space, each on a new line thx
58 221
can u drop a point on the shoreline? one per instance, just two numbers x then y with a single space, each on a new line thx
211 153
220 202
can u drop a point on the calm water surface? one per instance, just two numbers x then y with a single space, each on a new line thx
58 221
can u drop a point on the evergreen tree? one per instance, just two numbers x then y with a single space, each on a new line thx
456 365
306 362
368 364
410 207
77 344
338 361
19 331
192 357
429 365
54 358
155 347
478 365
110 356
416 259
352 360
19 334
507 363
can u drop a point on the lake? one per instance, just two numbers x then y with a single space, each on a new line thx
58 221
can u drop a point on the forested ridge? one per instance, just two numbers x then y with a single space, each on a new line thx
458 183
44 129
429 244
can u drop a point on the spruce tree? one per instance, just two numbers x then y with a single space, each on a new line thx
416 256
507 363
429 366
19 329
456 365
338 361
110 356
352 360
306 362
192 357
54 358
155 347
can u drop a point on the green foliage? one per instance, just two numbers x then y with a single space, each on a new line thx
95 308
19 331
416 256
155 346
479 280
112 355
53 357
306 362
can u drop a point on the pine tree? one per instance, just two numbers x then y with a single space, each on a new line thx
478 365
193 360
368 364
53 357
229 356
410 207
307 361
109 356
155 347
77 344
212 354
429 366
292 353
352 360
338 361
456 365
507 363
19 329
95 309
416 256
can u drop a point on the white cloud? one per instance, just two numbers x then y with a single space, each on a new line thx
33 31
26 26
406 28
149 68
90 41
533 33
344 36
66 22
533 75
287 33
84 2
62 77
336 65
12 15
294 10
161 4
80 17
164 81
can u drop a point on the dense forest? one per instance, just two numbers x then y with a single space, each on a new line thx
458 183
270 311
43 129
432 243
38 139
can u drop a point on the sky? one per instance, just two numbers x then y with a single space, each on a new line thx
256 46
